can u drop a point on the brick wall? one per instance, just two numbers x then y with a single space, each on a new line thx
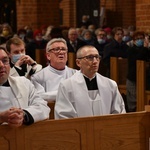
36 13
26 13
69 12
118 13
143 15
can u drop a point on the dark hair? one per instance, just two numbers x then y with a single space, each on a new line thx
114 30
56 32
21 31
2 48
15 41
137 33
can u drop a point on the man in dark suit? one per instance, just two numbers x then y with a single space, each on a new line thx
73 42
85 22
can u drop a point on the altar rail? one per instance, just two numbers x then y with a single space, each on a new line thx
112 132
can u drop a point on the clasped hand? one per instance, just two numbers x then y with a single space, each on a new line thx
24 59
14 117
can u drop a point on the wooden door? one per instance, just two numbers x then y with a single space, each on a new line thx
90 8
8 13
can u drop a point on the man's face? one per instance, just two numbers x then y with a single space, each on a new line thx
87 36
118 36
57 55
16 49
72 35
4 67
89 65
101 35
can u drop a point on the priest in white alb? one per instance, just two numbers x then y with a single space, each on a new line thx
87 93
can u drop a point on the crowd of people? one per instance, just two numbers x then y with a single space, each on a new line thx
78 92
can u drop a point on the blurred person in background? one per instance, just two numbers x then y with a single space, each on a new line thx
116 48
6 33
126 37
40 42
87 37
139 51
101 40
73 42
21 34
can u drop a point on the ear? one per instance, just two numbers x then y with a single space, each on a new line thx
78 62
48 55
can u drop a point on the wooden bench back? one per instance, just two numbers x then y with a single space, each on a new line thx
40 55
143 95
118 72
111 132
51 105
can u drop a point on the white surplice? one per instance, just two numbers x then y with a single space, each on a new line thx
14 73
73 99
22 94
48 79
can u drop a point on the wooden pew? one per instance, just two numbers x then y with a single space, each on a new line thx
40 55
118 72
72 61
143 95
51 105
111 132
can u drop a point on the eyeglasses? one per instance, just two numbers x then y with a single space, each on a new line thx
91 57
101 35
5 61
58 49
119 34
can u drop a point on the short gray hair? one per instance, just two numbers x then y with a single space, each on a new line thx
79 51
53 41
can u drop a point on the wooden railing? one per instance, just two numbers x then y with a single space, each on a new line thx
71 60
118 72
112 132
51 105
40 55
143 95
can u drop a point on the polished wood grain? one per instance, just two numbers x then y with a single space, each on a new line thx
111 132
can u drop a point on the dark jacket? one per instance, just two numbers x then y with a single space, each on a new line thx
135 53
79 43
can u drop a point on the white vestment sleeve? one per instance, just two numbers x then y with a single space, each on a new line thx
37 107
63 106
118 105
